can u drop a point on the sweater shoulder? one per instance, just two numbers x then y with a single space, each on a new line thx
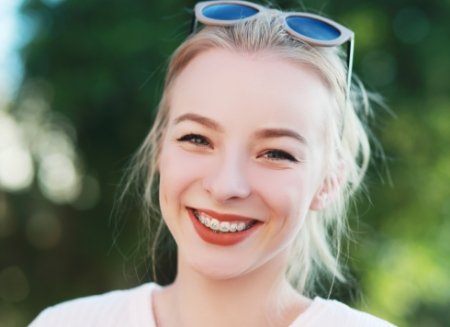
347 316
334 313
109 309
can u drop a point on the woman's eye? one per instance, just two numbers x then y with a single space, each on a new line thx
195 139
279 155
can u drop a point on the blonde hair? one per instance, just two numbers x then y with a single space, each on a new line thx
317 247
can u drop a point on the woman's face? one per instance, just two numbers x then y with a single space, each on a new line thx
241 162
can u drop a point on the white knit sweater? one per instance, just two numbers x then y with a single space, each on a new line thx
133 308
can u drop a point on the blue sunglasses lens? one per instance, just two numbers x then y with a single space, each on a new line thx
313 28
228 11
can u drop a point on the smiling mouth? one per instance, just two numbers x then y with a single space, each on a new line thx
225 227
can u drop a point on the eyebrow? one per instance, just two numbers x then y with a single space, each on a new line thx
281 132
264 133
202 120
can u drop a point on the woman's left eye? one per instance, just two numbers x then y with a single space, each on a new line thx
279 155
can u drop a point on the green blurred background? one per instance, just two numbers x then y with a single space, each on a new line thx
92 74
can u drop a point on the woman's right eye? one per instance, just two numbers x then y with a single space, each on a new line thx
195 139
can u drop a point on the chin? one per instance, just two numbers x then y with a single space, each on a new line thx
218 267
218 274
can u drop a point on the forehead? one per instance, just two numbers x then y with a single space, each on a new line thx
259 89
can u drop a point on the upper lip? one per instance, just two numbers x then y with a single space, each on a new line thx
224 216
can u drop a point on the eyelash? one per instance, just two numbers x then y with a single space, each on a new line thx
278 155
199 140
195 139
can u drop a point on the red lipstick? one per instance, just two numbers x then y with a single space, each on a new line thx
222 238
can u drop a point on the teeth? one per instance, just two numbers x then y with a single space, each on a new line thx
215 224
224 226
240 227
202 219
221 226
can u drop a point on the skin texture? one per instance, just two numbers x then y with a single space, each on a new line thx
245 138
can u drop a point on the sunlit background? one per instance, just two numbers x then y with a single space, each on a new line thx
78 83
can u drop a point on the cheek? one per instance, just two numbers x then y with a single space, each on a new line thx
171 177
288 194
178 171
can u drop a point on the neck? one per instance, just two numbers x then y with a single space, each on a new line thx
262 297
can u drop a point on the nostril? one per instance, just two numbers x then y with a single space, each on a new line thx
226 187
228 177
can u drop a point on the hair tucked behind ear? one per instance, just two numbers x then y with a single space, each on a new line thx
317 247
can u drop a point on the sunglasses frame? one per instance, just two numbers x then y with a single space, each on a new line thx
346 35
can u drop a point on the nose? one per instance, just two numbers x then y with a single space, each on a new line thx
227 179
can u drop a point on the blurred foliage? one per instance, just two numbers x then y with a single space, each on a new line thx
93 73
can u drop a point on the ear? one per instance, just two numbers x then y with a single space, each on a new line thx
329 189
323 196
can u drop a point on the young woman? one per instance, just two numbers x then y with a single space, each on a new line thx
256 149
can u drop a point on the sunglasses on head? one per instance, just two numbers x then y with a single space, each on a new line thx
309 28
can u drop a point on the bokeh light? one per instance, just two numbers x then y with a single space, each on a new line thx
35 138
16 166
14 286
58 178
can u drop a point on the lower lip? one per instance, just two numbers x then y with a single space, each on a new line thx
218 238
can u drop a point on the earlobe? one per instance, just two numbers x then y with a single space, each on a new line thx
319 201
329 188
